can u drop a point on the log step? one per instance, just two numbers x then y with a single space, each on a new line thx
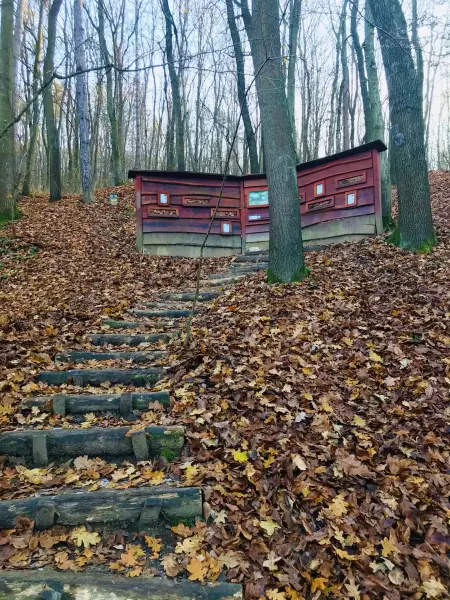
189 297
21 585
248 267
252 258
73 404
84 377
42 445
133 324
80 357
117 339
221 282
142 507
172 313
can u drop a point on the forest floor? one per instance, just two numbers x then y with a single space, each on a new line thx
317 414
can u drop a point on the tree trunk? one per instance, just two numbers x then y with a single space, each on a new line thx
17 45
241 89
415 225
286 258
368 120
111 107
6 112
418 52
294 26
82 102
377 115
26 189
175 85
345 80
54 152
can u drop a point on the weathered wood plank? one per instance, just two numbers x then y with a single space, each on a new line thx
108 507
187 297
84 403
171 313
82 377
26 585
95 441
80 357
132 324
117 339
187 226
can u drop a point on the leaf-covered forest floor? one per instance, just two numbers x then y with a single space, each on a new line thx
317 414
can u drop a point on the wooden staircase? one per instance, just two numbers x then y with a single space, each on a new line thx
152 509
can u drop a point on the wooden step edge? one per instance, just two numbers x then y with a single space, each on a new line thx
133 507
169 313
189 297
95 377
73 404
120 339
220 282
21 585
80 356
40 446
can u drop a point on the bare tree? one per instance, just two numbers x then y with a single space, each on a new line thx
286 258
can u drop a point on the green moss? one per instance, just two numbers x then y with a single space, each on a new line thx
169 455
389 224
188 521
300 275
5 216
396 240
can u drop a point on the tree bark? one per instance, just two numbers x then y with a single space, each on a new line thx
54 152
26 189
110 103
376 109
241 89
294 26
175 85
345 80
82 103
415 229
6 109
368 121
286 258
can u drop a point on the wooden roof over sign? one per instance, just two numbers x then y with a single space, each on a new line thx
376 145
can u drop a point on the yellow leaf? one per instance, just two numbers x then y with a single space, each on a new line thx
375 357
240 456
269 526
319 583
388 547
325 405
183 530
154 544
197 569
82 537
135 572
358 421
275 595
433 588
346 555
338 506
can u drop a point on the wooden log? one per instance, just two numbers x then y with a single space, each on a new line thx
116 339
221 282
39 448
248 267
127 324
173 313
95 377
25 585
252 258
80 404
80 357
95 441
188 297
109 507
227 275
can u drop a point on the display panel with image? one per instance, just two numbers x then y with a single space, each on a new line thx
258 198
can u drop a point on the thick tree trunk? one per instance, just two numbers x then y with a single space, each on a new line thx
110 102
294 26
54 152
175 85
241 89
418 51
368 120
6 109
82 102
415 225
377 115
286 258
17 45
